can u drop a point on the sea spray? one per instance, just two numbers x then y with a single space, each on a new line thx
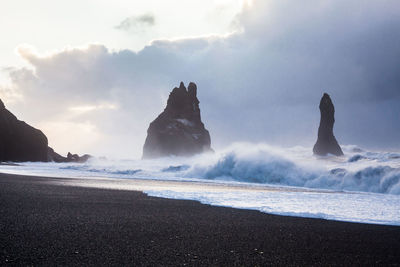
378 173
358 170
362 186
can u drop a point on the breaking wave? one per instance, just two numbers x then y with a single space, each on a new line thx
371 172
358 170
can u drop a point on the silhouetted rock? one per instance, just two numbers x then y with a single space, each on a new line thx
326 143
77 158
20 141
178 130
53 156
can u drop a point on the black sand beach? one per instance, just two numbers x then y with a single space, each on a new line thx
48 224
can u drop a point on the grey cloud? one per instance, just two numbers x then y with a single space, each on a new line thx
270 76
136 23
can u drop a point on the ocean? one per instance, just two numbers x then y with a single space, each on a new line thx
362 186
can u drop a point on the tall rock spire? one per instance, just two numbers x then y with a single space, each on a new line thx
178 130
326 143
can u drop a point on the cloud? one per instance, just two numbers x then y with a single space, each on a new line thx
262 83
137 23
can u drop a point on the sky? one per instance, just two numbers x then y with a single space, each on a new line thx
92 74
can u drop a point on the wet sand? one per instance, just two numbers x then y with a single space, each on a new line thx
45 222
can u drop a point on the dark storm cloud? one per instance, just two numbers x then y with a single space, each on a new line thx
261 84
135 23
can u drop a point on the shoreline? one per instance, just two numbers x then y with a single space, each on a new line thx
213 193
50 224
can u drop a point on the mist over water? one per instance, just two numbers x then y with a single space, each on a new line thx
358 170
362 186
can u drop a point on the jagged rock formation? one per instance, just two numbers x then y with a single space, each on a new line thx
178 130
21 142
77 158
53 156
326 143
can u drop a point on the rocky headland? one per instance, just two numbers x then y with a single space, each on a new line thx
20 142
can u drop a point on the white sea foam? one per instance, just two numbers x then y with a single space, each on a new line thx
358 171
350 207
373 177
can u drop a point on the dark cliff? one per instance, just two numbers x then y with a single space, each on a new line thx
20 141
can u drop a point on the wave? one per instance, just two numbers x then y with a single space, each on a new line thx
176 168
263 164
88 168
358 170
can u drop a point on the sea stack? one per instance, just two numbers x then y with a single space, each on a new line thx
178 130
20 141
326 143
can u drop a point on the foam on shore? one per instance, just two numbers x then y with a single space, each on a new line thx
362 186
